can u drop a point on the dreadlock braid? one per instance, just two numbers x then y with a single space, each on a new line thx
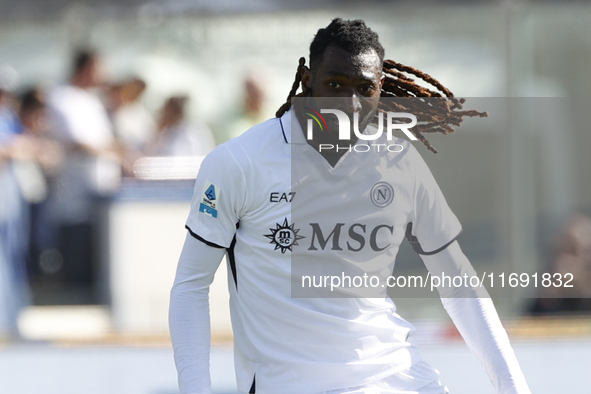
294 88
434 116
391 64
438 115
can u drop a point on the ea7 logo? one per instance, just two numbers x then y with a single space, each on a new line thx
345 125
279 197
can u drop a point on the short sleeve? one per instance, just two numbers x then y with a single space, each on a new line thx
433 226
218 199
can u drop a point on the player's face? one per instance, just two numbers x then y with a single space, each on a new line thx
356 78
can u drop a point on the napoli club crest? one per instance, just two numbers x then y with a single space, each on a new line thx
382 194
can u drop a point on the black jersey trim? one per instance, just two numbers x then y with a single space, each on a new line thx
416 245
254 386
204 240
232 258
283 131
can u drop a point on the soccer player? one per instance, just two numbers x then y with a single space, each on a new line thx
274 203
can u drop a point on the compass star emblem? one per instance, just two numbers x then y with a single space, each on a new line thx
284 236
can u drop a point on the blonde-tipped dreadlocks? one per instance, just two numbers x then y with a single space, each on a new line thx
437 115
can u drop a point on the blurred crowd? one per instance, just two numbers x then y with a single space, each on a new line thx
572 262
63 152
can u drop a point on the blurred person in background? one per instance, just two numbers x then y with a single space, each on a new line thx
133 123
572 261
252 111
34 124
91 169
177 136
9 125
40 158
28 159
13 223
13 245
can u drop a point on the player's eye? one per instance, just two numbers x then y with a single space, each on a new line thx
334 85
367 88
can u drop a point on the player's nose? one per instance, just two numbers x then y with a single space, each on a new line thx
350 104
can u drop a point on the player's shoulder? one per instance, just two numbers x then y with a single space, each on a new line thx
404 156
258 141
397 150
269 131
411 153
400 152
263 138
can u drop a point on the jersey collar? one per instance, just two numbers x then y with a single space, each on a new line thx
291 128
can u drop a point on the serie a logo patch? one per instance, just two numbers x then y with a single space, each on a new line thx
209 200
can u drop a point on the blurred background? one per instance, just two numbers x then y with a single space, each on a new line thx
107 109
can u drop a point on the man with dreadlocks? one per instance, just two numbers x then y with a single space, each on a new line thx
269 198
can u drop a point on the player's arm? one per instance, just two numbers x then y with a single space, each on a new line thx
216 208
476 318
432 231
189 314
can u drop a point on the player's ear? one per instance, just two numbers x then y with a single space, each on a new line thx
306 79
382 80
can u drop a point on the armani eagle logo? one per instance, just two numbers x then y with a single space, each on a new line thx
284 236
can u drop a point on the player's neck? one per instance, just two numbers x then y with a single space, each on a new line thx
327 144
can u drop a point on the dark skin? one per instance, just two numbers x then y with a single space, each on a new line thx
357 79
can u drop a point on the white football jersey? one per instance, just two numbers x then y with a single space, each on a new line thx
283 213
